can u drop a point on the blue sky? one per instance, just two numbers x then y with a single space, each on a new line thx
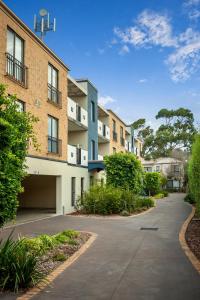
142 55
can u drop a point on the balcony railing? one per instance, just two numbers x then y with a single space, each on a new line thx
16 70
77 113
54 145
114 136
122 141
54 95
77 156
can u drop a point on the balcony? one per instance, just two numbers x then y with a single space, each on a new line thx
114 136
126 145
77 113
54 145
54 96
77 156
103 132
16 70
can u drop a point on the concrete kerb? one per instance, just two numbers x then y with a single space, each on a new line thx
54 274
193 259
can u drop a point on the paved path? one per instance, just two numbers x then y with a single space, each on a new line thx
125 262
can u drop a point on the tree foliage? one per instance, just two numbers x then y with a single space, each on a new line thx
176 131
194 172
125 171
152 183
16 128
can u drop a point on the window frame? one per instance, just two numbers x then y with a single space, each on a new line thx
51 137
14 41
93 114
93 152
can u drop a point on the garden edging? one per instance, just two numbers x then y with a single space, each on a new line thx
193 259
53 275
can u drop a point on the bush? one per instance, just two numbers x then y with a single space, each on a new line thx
124 170
159 196
194 173
16 128
109 200
152 183
18 267
165 193
189 198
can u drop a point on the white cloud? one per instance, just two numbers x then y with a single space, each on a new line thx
143 80
151 29
104 100
154 29
185 60
192 9
124 50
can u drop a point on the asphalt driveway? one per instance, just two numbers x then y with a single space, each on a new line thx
125 262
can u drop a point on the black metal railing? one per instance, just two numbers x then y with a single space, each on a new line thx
54 95
104 130
114 136
78 113
78 153
122 141
16 70
54 145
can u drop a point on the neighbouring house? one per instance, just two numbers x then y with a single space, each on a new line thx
138 146
170 167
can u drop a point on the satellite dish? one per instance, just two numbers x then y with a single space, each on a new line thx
43 12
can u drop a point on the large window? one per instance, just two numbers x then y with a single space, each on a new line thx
92 149
53 93
15 57
52 135
114 130
122 135
92 111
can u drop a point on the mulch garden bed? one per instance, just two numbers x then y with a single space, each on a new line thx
193 236
47 263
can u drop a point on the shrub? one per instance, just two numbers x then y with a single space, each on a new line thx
165 193
159 196
33 245
125 213
144 202
16 128
152 183
109 200
70 233
61 238
194 173
189 198
18 267
124 170
59 257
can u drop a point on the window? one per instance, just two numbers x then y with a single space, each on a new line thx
114 130
53 93
157 168
92 111
148 169
82 186
132 142
52 134
114 150
73 191
15 57
20 105
92 149
122 135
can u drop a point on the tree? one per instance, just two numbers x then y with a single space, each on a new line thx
194 173
16 129
125 171
152 183
176 132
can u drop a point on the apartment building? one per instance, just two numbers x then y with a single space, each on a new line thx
74 132
40 80
138 147
121 135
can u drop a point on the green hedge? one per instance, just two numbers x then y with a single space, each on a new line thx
124 170
152 183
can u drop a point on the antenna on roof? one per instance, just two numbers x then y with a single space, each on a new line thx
42 23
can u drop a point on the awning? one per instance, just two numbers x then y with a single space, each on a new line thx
96 165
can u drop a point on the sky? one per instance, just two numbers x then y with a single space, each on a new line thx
142 55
